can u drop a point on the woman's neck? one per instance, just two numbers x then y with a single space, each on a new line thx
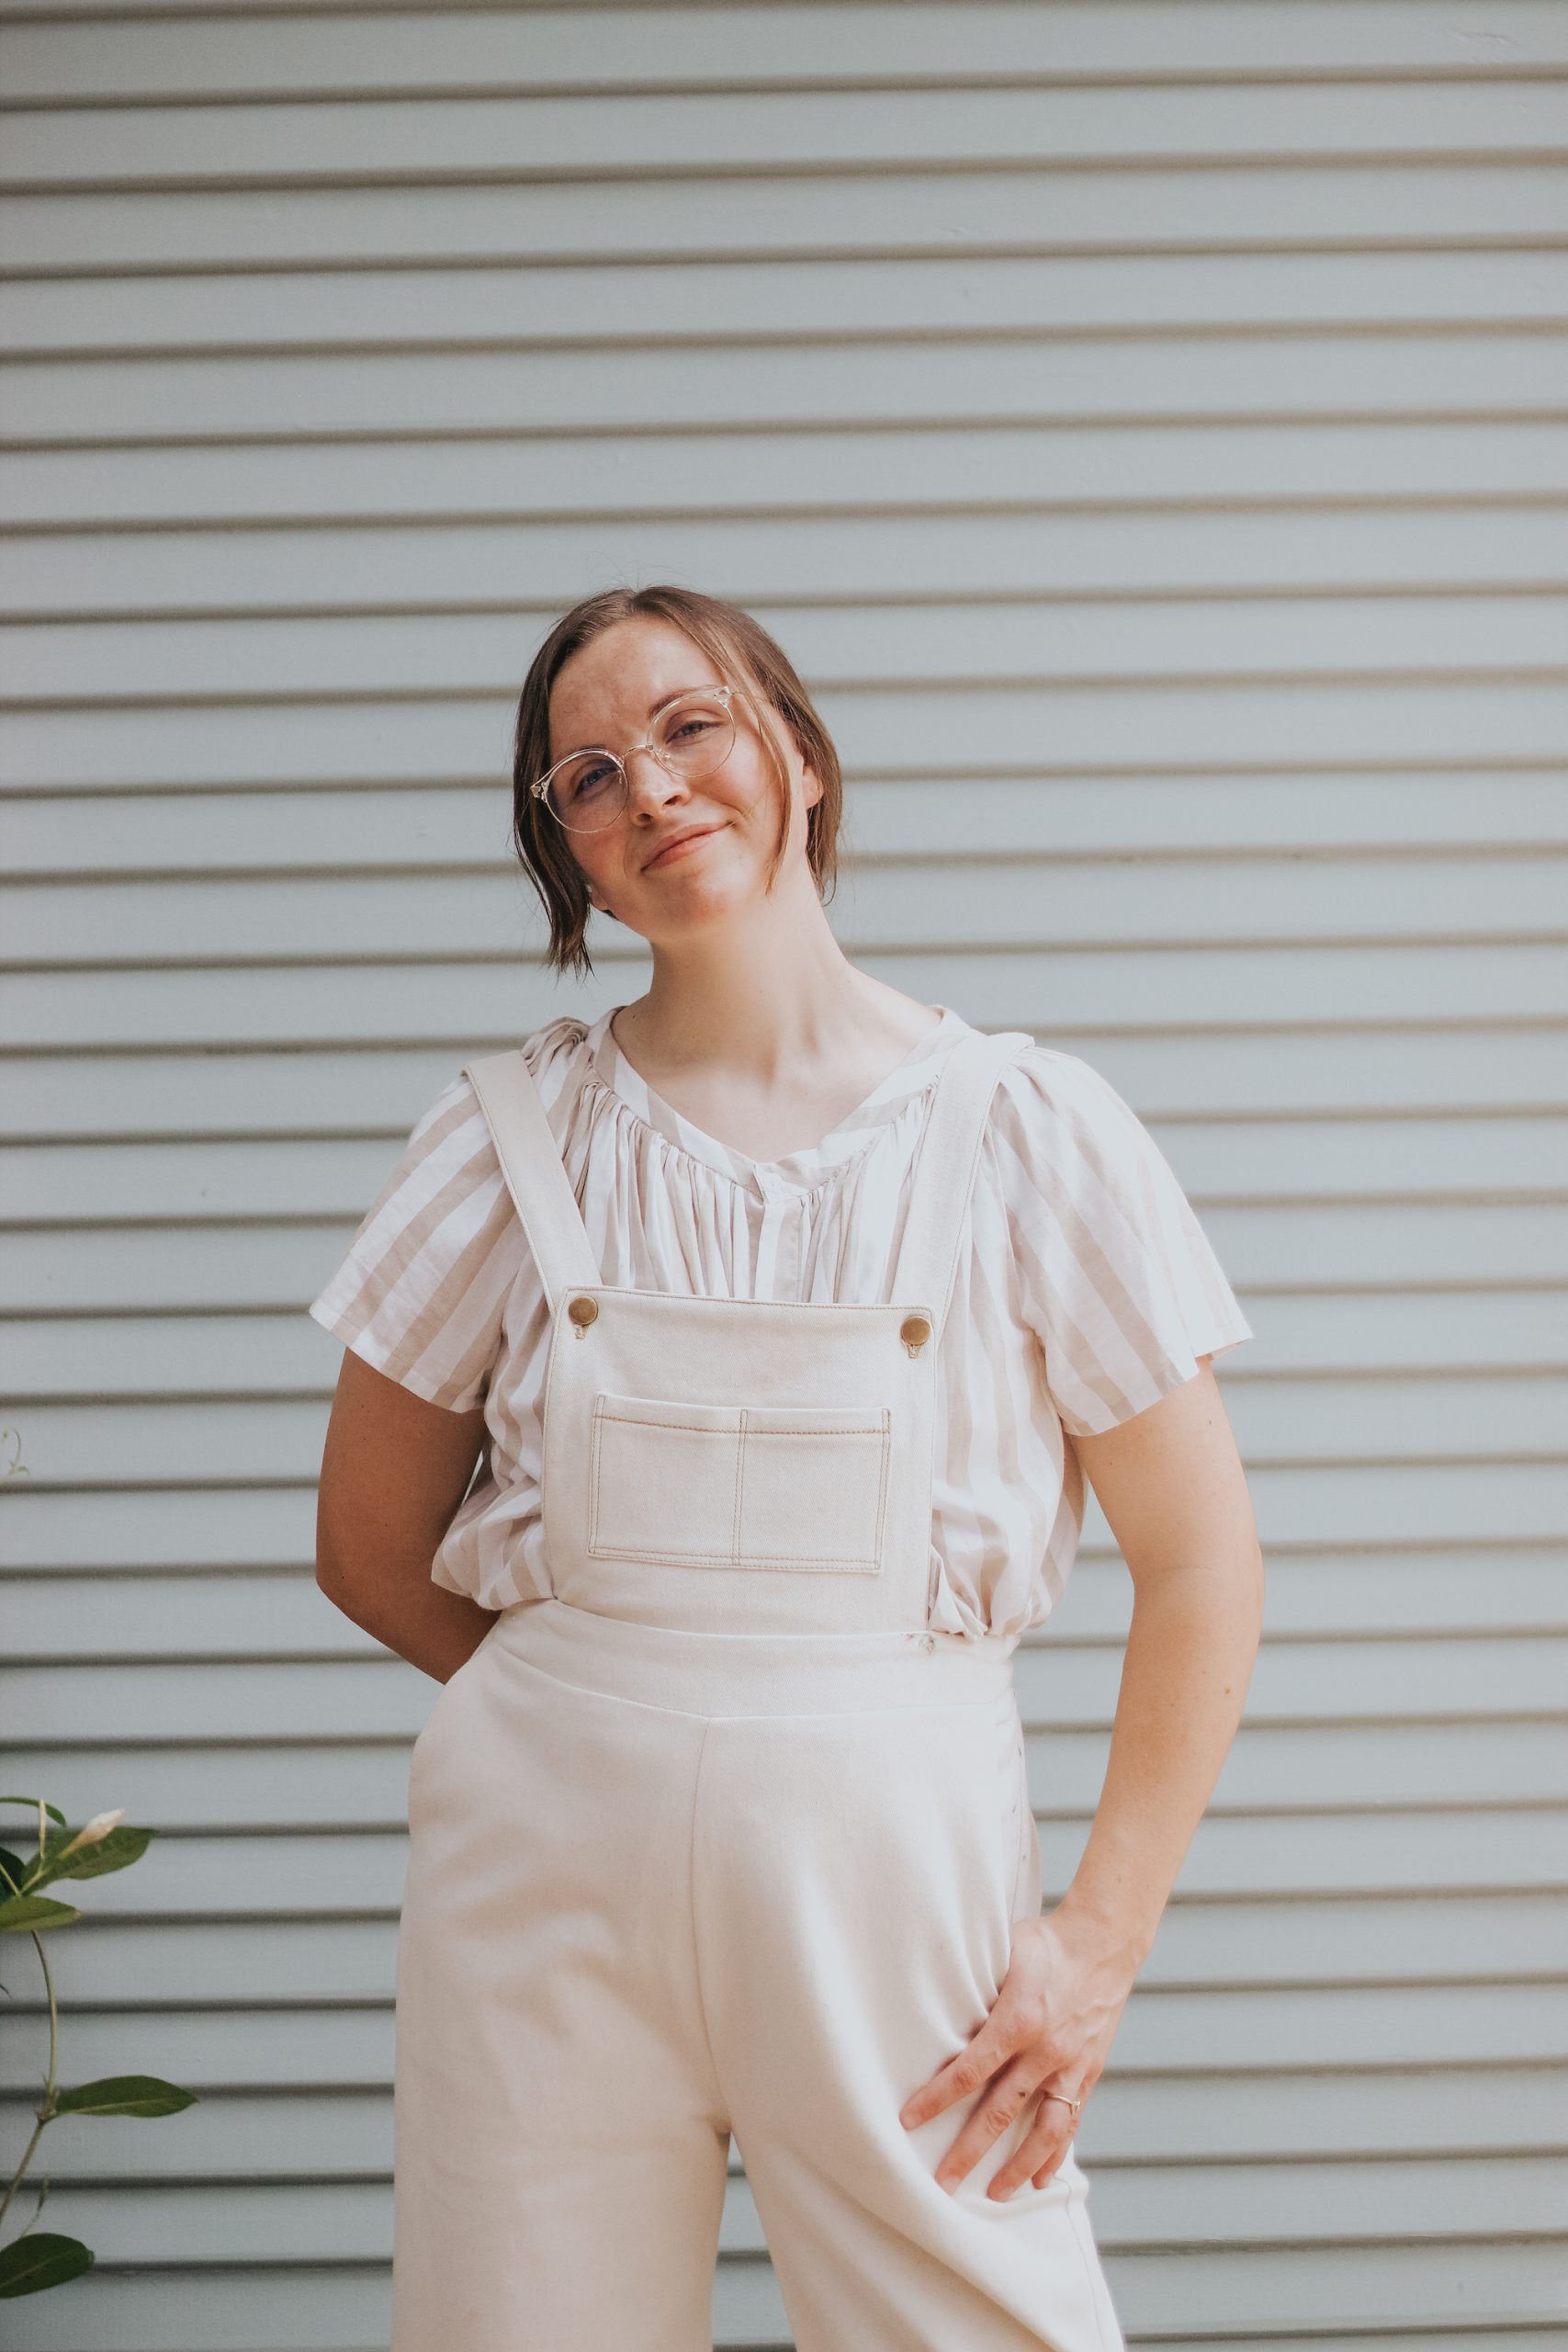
767 1065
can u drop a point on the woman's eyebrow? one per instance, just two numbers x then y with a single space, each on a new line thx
646 715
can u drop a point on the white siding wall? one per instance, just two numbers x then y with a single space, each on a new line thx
1146 425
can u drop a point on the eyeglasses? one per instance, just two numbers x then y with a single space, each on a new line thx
691 735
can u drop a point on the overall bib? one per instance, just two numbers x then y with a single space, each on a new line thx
723 1838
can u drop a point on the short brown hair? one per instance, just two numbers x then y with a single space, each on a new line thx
745 654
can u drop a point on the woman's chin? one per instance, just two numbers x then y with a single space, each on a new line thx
704 902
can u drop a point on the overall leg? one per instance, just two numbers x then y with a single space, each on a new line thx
857 1875
560 2155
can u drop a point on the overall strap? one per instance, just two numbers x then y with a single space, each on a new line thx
945 1164
531 1162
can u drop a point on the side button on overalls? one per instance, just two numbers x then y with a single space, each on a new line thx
723 1838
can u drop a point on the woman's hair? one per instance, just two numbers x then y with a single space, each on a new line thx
743 653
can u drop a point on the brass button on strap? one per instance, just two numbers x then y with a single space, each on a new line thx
914 1331
583 1312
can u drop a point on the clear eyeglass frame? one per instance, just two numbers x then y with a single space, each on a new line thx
540 787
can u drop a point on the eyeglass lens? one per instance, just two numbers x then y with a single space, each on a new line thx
691 739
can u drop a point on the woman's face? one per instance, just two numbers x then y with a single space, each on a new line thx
606 695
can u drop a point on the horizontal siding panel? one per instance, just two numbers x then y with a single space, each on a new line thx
1365 1158
1290 2206
1232 206
1302 1253
1160 2297
1412 1940
371 52
1351 1594
931 557
1452 1427
465 1006
966 651
375 1696
343 2309
1304 1862
1257 900
1242 2209
720 302
740 130
1295 2207
1497 1499
320 1780
331 1786
1064 467
467 828
1313 372
1416 1501
1386 2030
125 1533
81 1358
1145 727
359 1097
227 1613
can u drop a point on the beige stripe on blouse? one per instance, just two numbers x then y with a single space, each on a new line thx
1086 1290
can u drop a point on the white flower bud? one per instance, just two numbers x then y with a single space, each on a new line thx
99 1827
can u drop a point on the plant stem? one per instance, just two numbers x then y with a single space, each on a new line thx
46 2112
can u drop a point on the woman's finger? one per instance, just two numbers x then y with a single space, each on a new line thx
1012 2029
997 2110
1041 2151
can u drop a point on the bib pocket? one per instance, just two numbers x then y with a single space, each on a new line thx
740 1486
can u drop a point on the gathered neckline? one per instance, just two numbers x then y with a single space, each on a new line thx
855 1133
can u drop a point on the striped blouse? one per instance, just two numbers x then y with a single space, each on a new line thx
1086 1288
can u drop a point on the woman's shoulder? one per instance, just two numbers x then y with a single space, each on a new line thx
1054 1105
556 1056
449 1158
1121 1282
1066 1137
422 1291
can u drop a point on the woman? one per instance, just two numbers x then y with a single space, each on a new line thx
788 1313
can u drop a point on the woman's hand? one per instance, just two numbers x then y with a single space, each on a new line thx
1050 2028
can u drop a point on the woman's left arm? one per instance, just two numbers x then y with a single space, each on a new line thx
1171 1484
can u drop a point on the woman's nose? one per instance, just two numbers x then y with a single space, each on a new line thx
647 782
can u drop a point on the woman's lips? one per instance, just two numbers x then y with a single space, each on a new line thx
678 848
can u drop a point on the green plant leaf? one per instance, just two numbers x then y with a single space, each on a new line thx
113 1852
52 1810
11 1866
20 1911
124 2095
41 2259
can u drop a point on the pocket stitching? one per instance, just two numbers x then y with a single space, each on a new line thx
860 1562
831 1420
1024 1819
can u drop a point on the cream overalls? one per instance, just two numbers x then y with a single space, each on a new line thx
723 1838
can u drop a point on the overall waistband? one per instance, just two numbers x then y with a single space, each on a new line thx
753 1673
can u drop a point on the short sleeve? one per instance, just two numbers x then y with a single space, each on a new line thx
1120 1281
420 1294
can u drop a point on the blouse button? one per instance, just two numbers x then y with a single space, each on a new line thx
914 1331
583 1312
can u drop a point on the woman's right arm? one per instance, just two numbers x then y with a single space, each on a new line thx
393 1472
